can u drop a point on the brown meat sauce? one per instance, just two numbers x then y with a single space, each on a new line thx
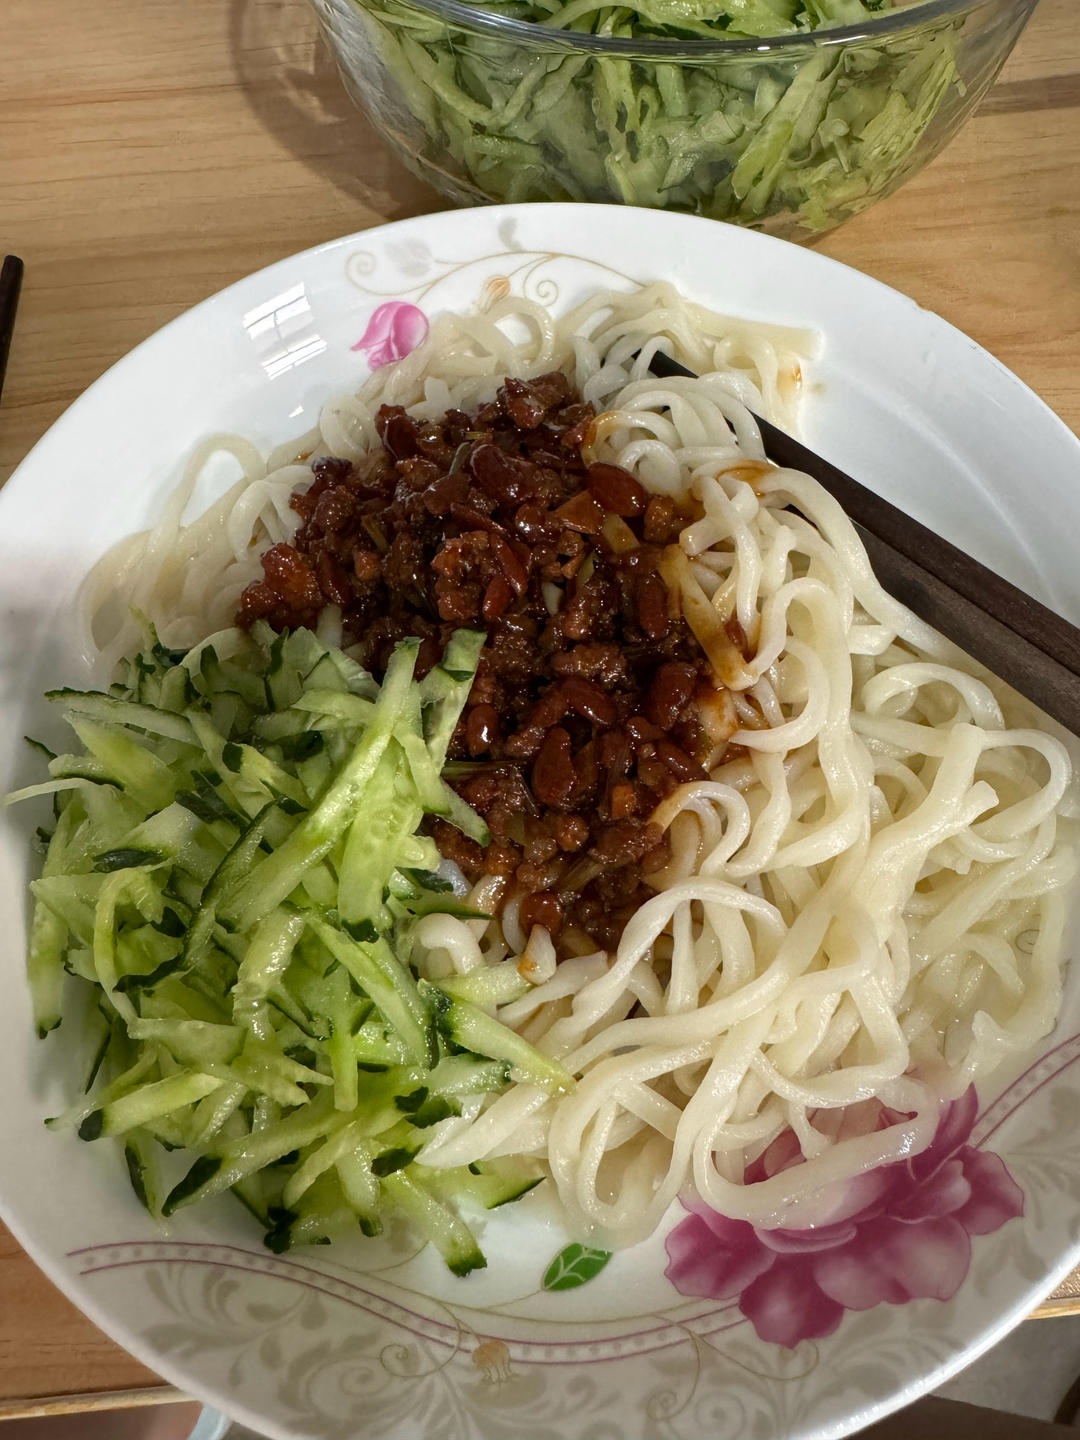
582 717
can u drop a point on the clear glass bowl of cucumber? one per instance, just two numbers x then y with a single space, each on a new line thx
789 116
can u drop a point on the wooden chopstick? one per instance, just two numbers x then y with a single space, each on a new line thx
11 273
985 637
1022 613
1031 647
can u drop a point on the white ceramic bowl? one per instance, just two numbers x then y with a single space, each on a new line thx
373 1339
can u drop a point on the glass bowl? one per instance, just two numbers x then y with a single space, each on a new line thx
791 134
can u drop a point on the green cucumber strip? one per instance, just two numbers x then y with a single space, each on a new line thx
49 934
148 1102
326 1155
251 776
283 677
430 1110
262 1061
316 768
107 708
145 956
337 705
320 887
176 834
420 903
382 977
495 985
265 961
142 1156
376 1044
126 858
279 874
393 1158
324 675
103 942
73 899
445 689
214 1112
207 803
211 1174
259 1196
323 1214
464 817
128 763
358 681
104 1046
40 747
230 715
473 1029
265 1114
176 691
490 1183
341 1008
427 880
293 1013
53 787
131 1077
342 1057
431 793
264 1085
496 1189
227 644
419 852
191 1042
185 890
236 864
79 961
374 841
214 675
109 819
439 1224
291 731
79 767
360 1185
467 1075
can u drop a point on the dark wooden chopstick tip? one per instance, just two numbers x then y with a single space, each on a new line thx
11 274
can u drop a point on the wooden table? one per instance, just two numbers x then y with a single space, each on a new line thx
151 153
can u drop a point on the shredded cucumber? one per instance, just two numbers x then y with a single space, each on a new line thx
793 140
236 869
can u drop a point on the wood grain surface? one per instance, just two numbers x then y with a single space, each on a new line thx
152 153
47 1347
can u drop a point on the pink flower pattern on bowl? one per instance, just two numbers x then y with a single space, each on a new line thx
394 331
902 1232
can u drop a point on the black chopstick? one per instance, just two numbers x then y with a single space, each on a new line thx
1051 686
1031 647
11 273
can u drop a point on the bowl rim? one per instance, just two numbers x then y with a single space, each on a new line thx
906 19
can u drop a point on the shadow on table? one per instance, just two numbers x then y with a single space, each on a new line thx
292 85
153 1421
935 1419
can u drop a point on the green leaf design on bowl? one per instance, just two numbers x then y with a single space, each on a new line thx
573 1266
